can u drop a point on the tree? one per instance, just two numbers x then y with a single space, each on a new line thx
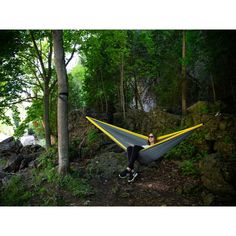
184 81
62 106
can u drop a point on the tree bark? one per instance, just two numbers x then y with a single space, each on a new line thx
62 106
213 89
135 92
46 115
122 95
184 81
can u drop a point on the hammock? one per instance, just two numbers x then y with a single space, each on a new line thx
125 138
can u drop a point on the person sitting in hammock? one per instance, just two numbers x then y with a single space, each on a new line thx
133 154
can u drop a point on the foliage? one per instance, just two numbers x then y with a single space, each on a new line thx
47 174
188 167
15 192
184 150
92 136
34 114
76 78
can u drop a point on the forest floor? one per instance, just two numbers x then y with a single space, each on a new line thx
159 185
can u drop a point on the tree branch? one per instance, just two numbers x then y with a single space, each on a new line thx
50 57
32 63
52 85
39 55
72 54
21 100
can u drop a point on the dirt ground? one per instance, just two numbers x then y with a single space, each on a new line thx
159 185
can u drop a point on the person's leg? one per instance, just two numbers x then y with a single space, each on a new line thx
125 173
133 152
134 156
129 152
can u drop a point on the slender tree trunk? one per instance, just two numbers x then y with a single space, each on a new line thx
62 106
213 89
122 95
184 81
46 108
135 92
232 90
104 91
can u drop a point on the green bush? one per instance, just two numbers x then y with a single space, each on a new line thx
184 150
92 136
15 193
188 167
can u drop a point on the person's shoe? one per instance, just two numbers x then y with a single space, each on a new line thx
125 173
132 176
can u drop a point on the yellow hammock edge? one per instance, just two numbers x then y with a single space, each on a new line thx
174 136
163 138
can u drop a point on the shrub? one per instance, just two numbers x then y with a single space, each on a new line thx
188 167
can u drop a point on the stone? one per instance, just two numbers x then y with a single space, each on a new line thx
213 178
14 163
106 165
9 146
208 199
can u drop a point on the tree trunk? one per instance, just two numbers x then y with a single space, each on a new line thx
122 95
135 93
104 92
62 106
184 81
213 89
46 109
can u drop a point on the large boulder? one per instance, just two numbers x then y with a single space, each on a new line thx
15 157
9 146
107 165
218 177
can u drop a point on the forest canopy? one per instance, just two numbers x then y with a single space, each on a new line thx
116 70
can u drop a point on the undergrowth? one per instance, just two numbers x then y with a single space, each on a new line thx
44 186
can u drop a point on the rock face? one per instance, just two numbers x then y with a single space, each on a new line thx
154 121
219 177
216 136
14 156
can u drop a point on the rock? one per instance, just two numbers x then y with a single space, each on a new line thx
87 203
9 146
208 199
2 174
225 148
14 163
29 149
106 165
28 159
22 157
213 177
199 107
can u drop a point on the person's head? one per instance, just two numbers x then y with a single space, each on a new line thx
151 139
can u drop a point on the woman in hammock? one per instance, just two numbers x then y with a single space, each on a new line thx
133 153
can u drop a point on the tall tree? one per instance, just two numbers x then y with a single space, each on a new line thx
184 81
62 113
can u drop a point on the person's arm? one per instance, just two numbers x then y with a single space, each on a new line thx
145 146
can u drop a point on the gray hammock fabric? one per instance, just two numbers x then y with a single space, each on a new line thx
125 138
